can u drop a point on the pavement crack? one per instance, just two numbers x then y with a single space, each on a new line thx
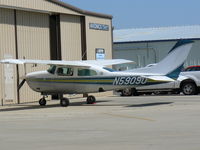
128 116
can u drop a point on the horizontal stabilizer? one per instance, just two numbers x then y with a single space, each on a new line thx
160 78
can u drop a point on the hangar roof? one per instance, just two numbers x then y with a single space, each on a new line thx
157 34
50 7
68 6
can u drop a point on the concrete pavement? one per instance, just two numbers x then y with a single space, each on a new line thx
113 123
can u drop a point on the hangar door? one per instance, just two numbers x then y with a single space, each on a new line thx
8 83
141 56
33 43
71 37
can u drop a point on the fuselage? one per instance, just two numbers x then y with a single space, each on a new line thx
66 80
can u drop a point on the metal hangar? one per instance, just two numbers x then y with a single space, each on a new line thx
150 45
46 30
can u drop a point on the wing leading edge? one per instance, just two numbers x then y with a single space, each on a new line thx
86 63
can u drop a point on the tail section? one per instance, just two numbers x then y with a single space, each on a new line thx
175 73
172 64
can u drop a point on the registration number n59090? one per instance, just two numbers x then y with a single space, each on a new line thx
134 80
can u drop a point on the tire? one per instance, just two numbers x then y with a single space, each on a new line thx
64 102
127 92
42 102
189 88
91 100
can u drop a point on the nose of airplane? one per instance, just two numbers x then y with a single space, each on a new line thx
38 74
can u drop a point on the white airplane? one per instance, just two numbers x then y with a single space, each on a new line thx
91 76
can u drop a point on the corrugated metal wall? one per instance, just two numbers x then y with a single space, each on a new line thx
194 57
7 49
41 5
70 37
153 52
98 38
33 43
142 53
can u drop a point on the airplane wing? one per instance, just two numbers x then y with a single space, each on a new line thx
45 62
108 62
86 63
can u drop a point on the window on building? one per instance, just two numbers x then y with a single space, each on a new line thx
86 72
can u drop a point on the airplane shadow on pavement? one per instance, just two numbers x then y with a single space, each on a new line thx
22 107
150 104
28 107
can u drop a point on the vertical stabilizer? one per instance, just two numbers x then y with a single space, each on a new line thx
172 64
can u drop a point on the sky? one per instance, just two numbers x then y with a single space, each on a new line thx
144 13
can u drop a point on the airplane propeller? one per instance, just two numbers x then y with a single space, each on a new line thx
21 84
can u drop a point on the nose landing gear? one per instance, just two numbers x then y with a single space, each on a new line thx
42 101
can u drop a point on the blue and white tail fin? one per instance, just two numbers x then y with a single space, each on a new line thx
172 64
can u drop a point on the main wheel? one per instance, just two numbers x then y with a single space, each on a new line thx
91 100
64 102
189 88
42 102
127 92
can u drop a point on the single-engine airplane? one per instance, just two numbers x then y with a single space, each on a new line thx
90 76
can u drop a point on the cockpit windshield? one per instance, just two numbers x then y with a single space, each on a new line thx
52 69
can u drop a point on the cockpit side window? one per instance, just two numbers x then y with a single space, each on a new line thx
86 72
52 69
65 71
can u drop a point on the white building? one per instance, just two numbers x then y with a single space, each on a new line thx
150 45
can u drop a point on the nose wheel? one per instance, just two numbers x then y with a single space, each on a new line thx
91 99
42 102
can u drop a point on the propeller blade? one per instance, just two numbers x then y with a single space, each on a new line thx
21 84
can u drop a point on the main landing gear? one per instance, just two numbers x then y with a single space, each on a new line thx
64 102
91 99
